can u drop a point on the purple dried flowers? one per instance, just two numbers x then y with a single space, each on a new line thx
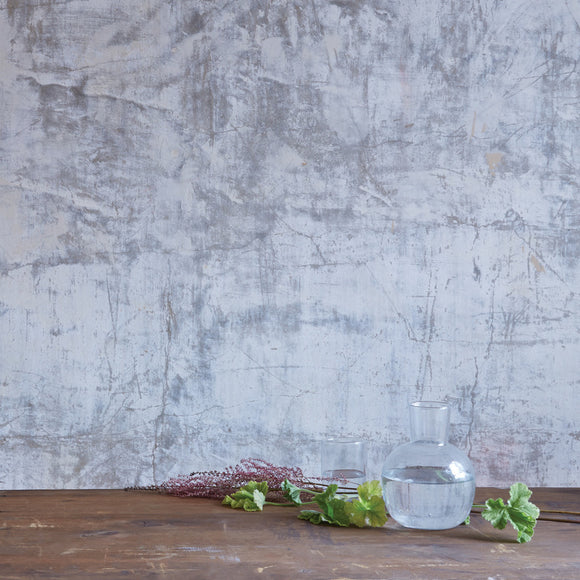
218 484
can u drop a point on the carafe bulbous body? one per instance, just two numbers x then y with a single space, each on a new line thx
428 484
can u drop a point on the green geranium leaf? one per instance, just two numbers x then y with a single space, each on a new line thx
325 496
314 517
370 489
496 513
291 492
369 509
250 497
259 499
522 523
334 510
519 499
334 513
371 512
339 511
519 512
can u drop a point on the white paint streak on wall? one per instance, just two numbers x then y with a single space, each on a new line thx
230 230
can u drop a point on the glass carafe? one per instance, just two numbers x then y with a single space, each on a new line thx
428 483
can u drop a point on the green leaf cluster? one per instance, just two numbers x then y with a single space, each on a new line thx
333 509
519 512
250 497
368 509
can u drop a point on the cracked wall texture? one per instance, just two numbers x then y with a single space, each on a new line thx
230 229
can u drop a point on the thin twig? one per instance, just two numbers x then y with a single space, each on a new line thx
551 519
547 517
560 512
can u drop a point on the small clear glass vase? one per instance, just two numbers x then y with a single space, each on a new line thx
428 484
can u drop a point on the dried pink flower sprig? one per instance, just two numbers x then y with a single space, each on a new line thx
218 484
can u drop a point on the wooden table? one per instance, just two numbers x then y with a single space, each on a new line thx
121 534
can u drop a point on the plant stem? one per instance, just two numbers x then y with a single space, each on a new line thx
545 511
278 503
310 491
286 504
322 486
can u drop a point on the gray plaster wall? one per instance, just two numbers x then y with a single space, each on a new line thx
230 229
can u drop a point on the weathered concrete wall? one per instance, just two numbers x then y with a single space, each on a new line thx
232 228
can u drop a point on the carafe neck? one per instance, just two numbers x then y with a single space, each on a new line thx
429 421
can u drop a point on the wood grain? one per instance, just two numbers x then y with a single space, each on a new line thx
118 534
